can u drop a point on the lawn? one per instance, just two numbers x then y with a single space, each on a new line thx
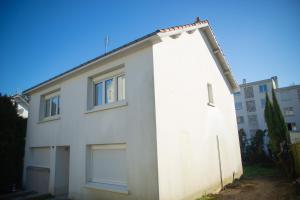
260 170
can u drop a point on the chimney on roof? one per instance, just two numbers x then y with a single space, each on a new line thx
197 20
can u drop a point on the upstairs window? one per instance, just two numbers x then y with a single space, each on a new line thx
238 105
240 119
263 88
251 106
210 94
50 105
248 92
288 111
106 89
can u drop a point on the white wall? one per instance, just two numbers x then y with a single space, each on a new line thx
133 125
186 126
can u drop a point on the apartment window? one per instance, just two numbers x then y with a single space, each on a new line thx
240 119
109 90
285 96
237 94
292 126
238 106
106 167
288 111
51 105
248 92
263 103
252 120
210 94
263 88
251 106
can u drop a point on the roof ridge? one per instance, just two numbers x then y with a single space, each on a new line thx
178 27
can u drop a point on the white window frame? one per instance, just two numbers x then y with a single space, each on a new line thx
92 106
44 98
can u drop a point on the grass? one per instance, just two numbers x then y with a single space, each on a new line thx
260 170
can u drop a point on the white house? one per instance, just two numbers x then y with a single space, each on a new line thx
22 105
153 119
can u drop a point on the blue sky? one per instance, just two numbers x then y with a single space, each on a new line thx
42 38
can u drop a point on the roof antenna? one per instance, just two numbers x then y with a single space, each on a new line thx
106 40
197 20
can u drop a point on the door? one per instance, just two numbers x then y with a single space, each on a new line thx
61 187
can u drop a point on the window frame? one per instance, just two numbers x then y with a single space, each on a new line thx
210 95
43 103
103 80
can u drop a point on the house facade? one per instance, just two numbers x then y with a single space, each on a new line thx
250 104
153 119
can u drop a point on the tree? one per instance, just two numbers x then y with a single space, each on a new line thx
12 140
274 142
278 134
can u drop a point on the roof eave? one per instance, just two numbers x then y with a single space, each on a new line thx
152 37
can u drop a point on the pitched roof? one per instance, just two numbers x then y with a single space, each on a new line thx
158 33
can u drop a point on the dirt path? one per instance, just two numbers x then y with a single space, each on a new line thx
263 188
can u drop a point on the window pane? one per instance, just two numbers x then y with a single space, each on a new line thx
98 93
54 105
47 108
251 106
248 92
121 88
109 91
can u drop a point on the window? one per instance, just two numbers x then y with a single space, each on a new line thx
237 94
288 111
292 126
210 94
252 120
285 96
121 87
240 119
263 88
51 105
110 90
238 106
248 92
251 106
106 167
263 103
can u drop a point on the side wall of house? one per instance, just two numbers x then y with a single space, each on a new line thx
132 126
187 127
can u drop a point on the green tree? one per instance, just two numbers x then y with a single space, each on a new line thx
12 140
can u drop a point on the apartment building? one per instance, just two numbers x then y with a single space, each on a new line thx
250 104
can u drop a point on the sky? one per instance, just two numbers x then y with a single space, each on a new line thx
42 38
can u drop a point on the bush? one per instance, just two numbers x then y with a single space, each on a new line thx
12 141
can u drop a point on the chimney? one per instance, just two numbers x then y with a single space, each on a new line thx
244 81
197 20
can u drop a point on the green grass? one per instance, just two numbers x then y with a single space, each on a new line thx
260 170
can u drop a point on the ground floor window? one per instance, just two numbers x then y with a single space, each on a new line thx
107 167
